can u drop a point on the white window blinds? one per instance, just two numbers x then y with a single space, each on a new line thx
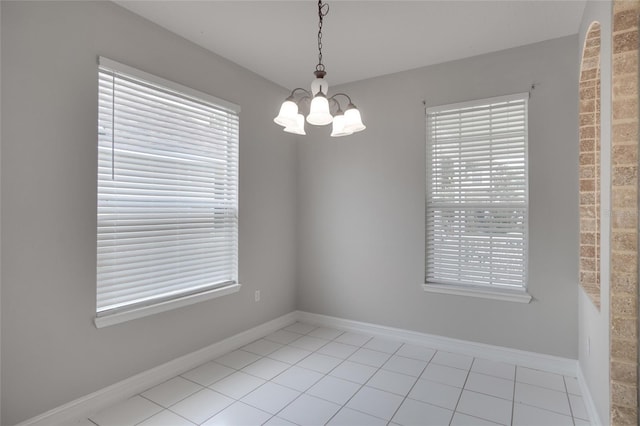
477 198
167 190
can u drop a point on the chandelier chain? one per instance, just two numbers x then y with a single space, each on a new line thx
323 9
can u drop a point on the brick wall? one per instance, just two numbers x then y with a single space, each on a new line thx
624 223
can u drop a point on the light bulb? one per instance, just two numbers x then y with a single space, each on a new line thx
287 115
338 126
298 129
319 114
353 120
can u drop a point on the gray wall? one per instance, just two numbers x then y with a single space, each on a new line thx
51 351
361 204
593 353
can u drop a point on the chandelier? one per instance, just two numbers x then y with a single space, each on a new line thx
316 103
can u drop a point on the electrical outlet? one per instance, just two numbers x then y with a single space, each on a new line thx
257 295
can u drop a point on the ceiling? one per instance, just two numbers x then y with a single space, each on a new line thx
361 39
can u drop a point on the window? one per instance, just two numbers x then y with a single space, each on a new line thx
167 231
476 197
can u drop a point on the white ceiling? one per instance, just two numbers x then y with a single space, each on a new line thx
361 39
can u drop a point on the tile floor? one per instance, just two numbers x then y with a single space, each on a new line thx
306 375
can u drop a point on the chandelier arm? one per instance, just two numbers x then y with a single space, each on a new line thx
333 101
342 94
293 92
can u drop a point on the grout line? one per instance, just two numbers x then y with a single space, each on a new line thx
455 409
513 395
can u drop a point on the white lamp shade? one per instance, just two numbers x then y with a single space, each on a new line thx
353 121
298 129
338 127
287 115
319 114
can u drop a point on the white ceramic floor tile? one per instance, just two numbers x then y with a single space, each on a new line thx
266 368
354 339
494 368
540 378
300 328
237 385
392 382
436 393
309 411
349 417
544 398
297 378
526 415
171 391
208 373
460 419
129 412
166 418
580 422
282 336
578 408
443 374
309 343
262 347
354 372
486 407
420 353
201 405
271 397
375 402
490 385
400 364
237 359
290 354
320 363
383 345
416 413
334 389
325 333
450 359
238 414
278 421
573 387
369 357
338 350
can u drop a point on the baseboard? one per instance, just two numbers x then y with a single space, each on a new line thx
588 399
92 403
555 364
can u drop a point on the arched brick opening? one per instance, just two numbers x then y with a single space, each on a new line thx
590 165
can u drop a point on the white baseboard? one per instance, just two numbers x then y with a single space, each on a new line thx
555 364
92 403
588 400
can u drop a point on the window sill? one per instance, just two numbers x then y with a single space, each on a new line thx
123 316
520 296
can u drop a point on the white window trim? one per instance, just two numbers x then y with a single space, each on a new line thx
117 316
518 295
144 311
